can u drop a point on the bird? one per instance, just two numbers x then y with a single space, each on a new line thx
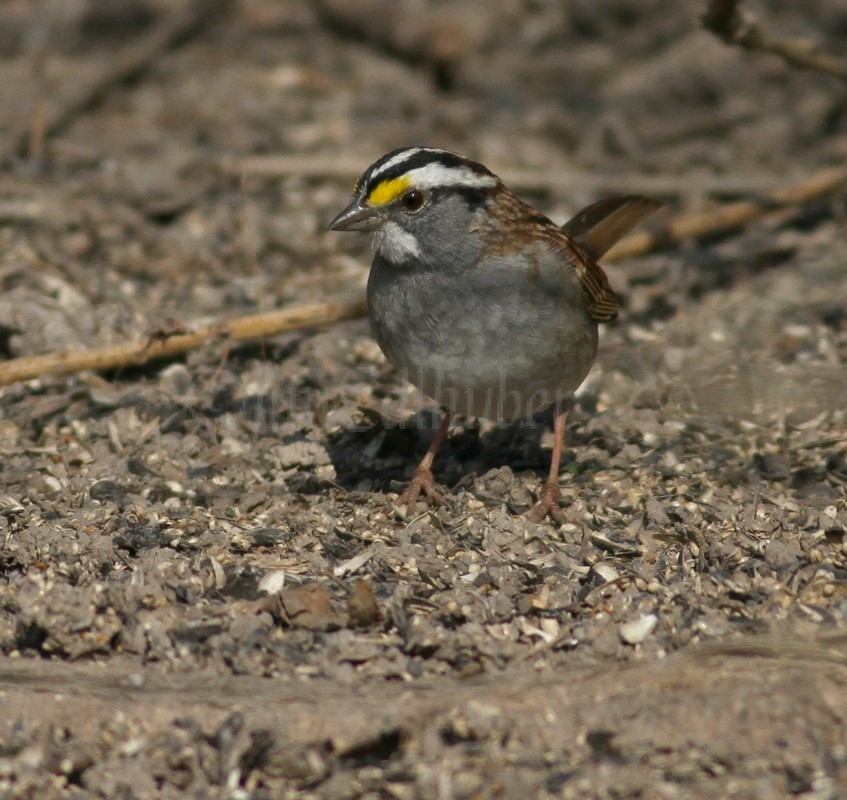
479 299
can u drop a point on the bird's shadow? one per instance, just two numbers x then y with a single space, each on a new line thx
381 454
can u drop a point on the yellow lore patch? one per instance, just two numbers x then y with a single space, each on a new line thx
387 191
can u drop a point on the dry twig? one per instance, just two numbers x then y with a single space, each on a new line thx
730 216
347 168
728 22
162 345
439 37
177 25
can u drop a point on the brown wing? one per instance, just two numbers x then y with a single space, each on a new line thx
590 234
597 227
602 302
582 240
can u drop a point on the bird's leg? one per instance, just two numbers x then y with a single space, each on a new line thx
422 480
548 502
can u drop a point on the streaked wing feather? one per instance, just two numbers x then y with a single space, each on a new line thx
601 300
581 241
590 234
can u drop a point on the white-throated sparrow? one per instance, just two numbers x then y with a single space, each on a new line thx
484 303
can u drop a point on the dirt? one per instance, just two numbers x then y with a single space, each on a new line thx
205 587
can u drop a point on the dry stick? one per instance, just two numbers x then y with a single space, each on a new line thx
257 326
347 168
140 351
729 217
126 65
728 22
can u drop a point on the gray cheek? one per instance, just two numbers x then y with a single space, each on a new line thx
446 239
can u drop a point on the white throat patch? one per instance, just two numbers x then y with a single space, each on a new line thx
394 244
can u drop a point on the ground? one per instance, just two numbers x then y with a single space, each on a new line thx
205 588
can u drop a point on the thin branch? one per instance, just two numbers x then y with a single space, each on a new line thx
731 24
730 216
128 63
348 168
142 351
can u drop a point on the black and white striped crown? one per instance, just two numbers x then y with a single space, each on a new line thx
421 168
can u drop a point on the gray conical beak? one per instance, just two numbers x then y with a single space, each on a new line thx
356 217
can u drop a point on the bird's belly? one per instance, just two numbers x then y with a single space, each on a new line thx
485 359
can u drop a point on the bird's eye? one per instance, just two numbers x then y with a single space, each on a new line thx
413 200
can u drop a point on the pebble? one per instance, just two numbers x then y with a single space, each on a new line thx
637 630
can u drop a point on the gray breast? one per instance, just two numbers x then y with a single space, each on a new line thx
495 343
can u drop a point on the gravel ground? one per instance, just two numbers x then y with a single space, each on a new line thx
205 587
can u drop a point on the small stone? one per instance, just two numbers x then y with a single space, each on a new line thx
637 630
781 556
272 582
362 608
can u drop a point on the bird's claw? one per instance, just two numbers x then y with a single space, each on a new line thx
422 482
548 504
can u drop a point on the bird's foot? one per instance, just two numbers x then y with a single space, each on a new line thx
422 481
548 504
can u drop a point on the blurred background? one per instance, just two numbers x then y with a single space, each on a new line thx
227 513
